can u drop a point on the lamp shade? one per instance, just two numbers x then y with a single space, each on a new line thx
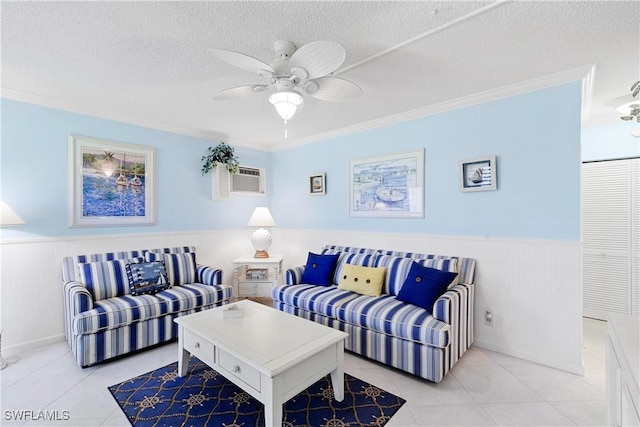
8 216
286 103
261 217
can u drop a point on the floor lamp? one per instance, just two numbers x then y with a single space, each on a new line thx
7 218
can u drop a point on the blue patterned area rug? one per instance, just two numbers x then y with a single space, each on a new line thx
205 398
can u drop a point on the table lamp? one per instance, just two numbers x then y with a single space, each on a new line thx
261 238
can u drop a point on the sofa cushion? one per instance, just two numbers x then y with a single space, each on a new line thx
466 266
333 249
319 269
115 312
325 300
362 280
194 295
106 279
70 270
181 267
388 315
147 277
398 269
424 285
365 260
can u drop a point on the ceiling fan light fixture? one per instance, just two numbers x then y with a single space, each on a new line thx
629 109
286 103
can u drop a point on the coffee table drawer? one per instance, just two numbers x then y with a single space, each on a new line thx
199 347
239 369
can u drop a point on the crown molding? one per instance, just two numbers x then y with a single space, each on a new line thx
585 74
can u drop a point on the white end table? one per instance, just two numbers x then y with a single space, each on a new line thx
254 277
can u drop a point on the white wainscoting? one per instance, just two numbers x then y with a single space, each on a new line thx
31 275
533 287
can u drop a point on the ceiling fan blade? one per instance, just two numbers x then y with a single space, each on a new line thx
243 61
318 58
334 89
235 92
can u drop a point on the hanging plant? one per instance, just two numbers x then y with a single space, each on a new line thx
223 154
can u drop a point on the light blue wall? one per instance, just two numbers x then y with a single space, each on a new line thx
535 136
34 174
613 141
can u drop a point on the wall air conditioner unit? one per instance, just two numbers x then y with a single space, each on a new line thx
247 181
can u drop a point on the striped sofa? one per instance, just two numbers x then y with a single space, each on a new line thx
103 320
426 343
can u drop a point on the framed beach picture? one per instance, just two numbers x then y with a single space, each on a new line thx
317 184
110 183
479 174
387 186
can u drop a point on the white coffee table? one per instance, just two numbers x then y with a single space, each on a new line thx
269 354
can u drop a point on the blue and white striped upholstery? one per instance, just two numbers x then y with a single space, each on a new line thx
398 269
106 279
194 295
466 266
387 315
326 300
111 313
103 320
181 267
429 362
422 342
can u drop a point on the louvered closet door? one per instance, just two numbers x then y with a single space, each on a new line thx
607 232
635 232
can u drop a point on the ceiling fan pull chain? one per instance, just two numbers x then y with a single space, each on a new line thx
285 128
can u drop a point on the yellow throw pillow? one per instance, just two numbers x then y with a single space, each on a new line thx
362 280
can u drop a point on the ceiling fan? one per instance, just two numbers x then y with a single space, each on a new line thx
292 73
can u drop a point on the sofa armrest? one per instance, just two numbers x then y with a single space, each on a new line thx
209 275
455 307
294 275
77 299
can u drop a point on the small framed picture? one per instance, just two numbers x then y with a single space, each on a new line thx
317 184
479 174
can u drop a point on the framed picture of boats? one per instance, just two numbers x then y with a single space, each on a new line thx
110 183
479 174
387 186
316 184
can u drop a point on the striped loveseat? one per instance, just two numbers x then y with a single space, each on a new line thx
104 320
426 343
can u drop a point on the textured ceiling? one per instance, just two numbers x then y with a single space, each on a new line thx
147 62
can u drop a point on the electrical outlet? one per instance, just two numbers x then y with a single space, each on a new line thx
488 318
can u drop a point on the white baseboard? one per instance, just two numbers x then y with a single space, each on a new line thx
535 358
29 345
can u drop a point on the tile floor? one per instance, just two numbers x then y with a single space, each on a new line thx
483 389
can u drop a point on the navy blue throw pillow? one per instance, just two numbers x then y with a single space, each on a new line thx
319 269
424 285
147 278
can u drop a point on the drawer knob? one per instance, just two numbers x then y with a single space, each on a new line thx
197 345
236 369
